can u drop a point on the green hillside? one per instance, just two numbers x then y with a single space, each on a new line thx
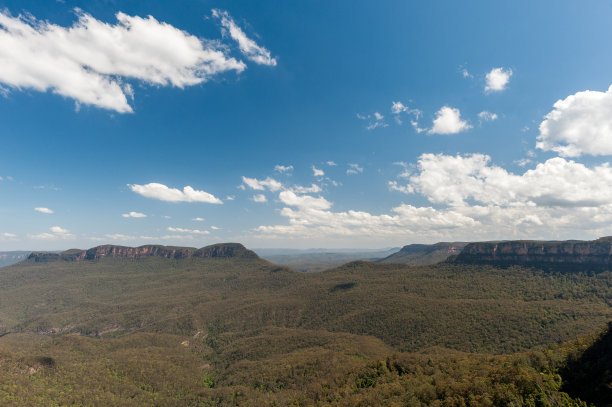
424 254
227 331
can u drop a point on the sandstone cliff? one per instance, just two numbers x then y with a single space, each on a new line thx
222 250
593 255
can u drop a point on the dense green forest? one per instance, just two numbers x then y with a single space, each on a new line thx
230 331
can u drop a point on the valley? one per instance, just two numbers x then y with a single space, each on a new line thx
221 326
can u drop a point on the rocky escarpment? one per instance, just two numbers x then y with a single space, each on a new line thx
222 250
593 255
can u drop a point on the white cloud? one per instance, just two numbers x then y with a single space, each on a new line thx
374 121
448 121
405 189
331 163
134 215
9 235
43 210
317 172
198 219
261 185
215 228
259 198
248 47
466 74
579 124
398 107
523 162
486 116
497 79
471 200
163 193
354 169
57 232
230 198
90 61
312 189
406 172
283 168
415 125
459 180
190 231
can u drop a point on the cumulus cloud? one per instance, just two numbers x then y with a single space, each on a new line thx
261 185
331 163
497 79
248 47
354 169
90 61
486 116
198 219
317 172
460 180
259 198
134 215
43 210
9 235
579 124
448 121
163 193
470 199
190 231
282 168
56 232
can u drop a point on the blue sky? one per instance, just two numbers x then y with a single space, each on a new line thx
312 124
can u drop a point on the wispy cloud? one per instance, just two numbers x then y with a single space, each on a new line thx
354 169
248 47
191 231
134 215
283 168
261 185
486 116
375 120
259 198
317 172
43 210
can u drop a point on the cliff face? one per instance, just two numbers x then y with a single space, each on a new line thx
587 255
223 250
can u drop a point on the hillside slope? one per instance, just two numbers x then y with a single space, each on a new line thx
425 254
